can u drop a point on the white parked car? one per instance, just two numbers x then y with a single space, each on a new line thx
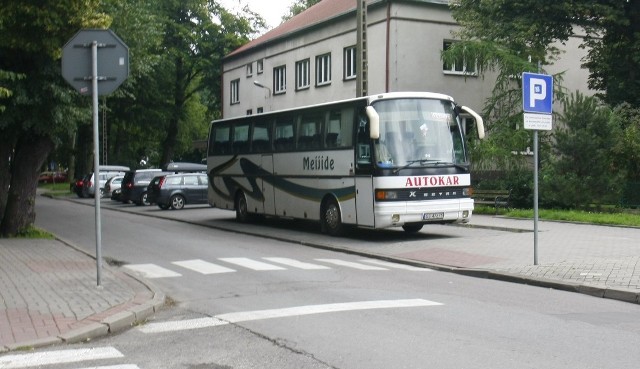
114 183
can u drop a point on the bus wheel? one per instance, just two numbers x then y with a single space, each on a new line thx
242 214
412 228
331 220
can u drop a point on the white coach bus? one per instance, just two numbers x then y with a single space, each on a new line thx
388 160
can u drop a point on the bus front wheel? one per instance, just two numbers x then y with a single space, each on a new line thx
331 219
242 213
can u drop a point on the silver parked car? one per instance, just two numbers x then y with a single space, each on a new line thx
114 183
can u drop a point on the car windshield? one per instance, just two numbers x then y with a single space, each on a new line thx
418 132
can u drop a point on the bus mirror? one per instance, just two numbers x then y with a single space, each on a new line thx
478 119
374 123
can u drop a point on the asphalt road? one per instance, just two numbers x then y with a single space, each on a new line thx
242 301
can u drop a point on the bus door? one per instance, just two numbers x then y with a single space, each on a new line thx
364 201
266 185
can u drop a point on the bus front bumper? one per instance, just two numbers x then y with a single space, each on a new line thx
397 214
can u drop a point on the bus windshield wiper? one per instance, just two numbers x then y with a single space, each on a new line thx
410 163
448 163
430 162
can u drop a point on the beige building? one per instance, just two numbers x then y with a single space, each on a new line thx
312 58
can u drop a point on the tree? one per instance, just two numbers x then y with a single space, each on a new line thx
298 7
41 106
582 171
193 48
505 38
613 43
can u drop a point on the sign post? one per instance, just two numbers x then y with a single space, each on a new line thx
95 73
537 103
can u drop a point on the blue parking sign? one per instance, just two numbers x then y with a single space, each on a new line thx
537 93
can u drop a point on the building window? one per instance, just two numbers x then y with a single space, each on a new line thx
235 91
249 112
260 110
350 62
259 66
249 69
459 66
280 79
323 69
302 74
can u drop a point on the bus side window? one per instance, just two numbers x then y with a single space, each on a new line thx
241 139
220 140
284 134
310 130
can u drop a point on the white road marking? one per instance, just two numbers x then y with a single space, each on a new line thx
203 267
351 264
396 265
297 264
251 264
58 357
152 271
238 317
181 325
124 366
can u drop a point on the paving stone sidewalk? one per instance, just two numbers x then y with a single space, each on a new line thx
49 294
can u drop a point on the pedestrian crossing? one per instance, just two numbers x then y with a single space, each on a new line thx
264 264
37 359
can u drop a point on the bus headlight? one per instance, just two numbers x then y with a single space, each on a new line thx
386 195
395 218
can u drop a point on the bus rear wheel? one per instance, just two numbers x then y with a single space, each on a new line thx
331 219
242 212
412 228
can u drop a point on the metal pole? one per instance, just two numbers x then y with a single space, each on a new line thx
535 189
535 197
96 158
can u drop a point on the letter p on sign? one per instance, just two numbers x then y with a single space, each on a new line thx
537 93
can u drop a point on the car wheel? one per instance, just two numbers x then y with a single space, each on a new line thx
331 219
412 228
144 200
242 212
177 202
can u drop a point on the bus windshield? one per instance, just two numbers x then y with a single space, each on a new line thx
418 131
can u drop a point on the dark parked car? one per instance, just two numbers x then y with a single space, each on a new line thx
116 195
176 190
78 187
134 185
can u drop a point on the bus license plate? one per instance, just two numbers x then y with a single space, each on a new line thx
432 216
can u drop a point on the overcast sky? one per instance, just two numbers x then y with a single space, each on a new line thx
271 10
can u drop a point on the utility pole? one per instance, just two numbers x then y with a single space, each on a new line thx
361 48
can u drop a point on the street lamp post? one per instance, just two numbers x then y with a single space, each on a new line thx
257 83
